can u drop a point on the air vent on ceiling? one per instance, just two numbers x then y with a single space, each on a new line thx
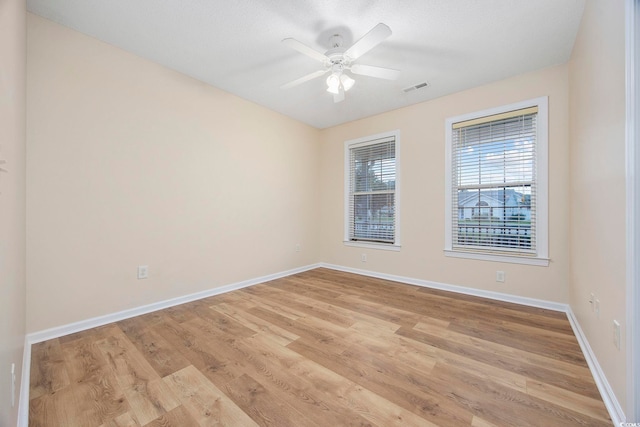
415 87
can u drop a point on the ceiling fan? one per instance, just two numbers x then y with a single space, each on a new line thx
338 60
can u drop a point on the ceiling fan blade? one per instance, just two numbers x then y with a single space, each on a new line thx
368 41
371 71
303 79
303 48
339 97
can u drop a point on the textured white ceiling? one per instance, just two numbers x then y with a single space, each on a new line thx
236 45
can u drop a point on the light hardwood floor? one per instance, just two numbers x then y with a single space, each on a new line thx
321 348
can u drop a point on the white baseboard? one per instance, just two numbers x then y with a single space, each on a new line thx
609 398
606 392
94 322
549 305
59 331
23 400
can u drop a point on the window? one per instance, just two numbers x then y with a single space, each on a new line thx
371 191
496 207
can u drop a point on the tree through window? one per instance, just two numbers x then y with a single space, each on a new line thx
371 190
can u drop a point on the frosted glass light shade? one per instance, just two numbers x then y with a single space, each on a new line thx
333 84
347 82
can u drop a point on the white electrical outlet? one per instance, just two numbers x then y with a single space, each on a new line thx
13 385
616 334
363 257
143 271
500 276
298 247
592 299
597 307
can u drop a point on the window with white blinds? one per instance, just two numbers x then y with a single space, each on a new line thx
371 190
494 199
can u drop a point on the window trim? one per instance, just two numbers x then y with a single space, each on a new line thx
395 246
541 258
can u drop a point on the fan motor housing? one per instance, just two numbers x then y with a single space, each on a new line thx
337 58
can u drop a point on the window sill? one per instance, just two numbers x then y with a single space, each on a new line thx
541 262
382 246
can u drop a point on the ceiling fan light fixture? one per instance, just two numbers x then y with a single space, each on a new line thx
333 84
337 60
347 82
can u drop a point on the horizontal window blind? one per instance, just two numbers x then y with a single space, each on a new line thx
494 183
372 188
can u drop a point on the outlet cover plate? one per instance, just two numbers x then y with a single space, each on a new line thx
143 271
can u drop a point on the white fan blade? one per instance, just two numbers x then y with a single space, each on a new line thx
303 79
368 41
303 48
371 71
339 97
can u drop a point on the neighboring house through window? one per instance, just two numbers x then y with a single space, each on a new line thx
371 191
496 178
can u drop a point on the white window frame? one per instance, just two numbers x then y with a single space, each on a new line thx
541 257
371 139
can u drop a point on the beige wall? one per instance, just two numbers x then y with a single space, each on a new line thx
422 139
132 164
597 105
12 201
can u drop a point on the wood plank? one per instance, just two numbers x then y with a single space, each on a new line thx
257 324
582 404
306 287
161 355
123 420
270 364
277 382
343 316
321 348
222 322
523 337
177 417
401 393
106 398
285 294
82 358
351 396
255 296
147 395
200 349
181 313
423 357
206 403
479 422
554 364
293 326
90 402
48 370
370 338
43 410
261 406
486 399
507 358
378 310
